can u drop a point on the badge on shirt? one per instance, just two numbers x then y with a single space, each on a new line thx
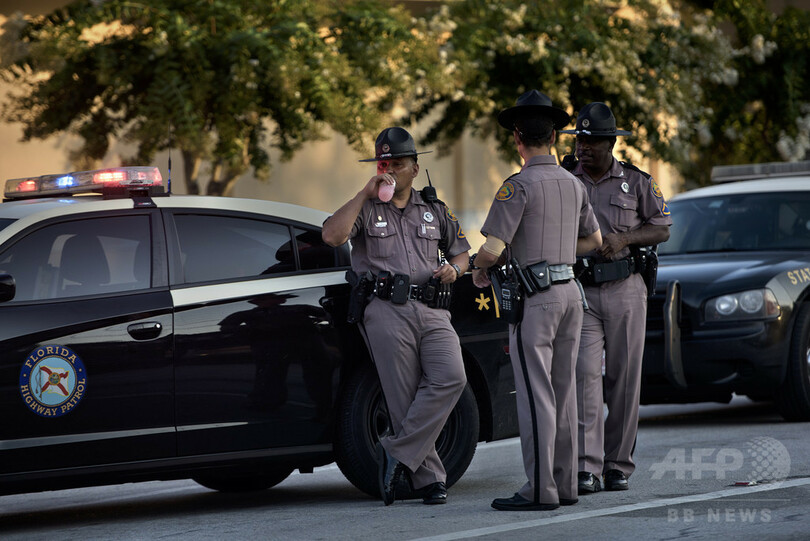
506 192
380 224
656 189
625 187
428 217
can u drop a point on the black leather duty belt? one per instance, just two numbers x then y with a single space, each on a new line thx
398 289
541 276
590 273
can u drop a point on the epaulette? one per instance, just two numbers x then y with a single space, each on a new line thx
632 167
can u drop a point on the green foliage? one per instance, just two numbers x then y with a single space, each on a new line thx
227 80
224 80
764 114
647 62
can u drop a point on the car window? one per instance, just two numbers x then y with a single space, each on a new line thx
226 247
313 252
762 221
81 257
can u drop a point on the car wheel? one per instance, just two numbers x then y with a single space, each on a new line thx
363 419
241 480
794 400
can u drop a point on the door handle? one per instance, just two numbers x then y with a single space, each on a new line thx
145 331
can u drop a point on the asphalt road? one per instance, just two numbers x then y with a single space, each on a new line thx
689 459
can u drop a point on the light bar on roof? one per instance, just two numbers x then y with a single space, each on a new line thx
83 182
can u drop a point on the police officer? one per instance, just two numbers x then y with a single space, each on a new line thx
543 214
414 347
631 213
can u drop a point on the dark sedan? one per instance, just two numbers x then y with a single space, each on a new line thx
731 311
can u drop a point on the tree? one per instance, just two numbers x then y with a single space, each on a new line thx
649 63
223 80
762 113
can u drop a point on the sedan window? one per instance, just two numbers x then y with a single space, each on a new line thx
225 247
81 257
741 222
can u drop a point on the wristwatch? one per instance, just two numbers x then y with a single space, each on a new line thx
458 269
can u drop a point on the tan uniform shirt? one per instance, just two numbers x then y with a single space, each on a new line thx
529 212
624 200
404 241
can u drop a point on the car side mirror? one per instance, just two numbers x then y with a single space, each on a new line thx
7 287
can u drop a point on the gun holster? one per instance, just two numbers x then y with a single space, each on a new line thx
647 264
362 289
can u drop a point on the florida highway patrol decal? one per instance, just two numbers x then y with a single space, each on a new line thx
52 381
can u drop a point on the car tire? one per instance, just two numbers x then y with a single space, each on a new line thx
794 399
244 480
363 419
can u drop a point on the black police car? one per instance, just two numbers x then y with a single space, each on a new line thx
153 337
731 311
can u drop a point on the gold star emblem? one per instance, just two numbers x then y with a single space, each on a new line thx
483 302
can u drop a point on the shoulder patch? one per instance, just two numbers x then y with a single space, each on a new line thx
656 189
461 234
506 192
665 209
450 215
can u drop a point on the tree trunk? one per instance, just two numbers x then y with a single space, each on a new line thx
191 169
223 187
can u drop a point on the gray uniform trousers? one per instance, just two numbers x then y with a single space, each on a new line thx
418 359
543 350
615 322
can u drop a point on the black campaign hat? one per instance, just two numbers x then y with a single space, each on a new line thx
533 103
596 119
394 143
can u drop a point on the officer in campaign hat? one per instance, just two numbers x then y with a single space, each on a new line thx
632 213
396 240
541 217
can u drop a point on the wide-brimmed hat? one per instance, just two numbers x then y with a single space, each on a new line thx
533 103
394 143
597 120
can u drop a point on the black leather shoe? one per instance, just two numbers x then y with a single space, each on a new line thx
588 483
389 469
567 501
519 503
615 480
435 493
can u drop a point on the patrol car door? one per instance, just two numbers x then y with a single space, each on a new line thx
85 370
257 351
